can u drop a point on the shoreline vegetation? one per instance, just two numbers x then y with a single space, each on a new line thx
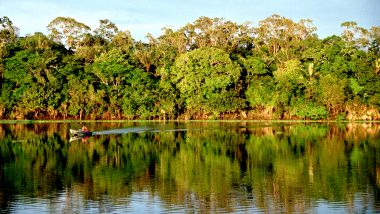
364 122
211 69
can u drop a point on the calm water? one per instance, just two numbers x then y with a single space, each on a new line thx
191 167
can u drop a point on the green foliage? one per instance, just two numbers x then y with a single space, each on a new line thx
139 96
332 91
355 87
206 69
17 68
202 76
111 68
291 73
290 85
308 110
255 66
259 93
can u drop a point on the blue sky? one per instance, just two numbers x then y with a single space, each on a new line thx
143 16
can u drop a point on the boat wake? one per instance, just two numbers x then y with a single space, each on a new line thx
123 131
127 131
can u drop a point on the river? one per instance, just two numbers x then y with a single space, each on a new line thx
201 167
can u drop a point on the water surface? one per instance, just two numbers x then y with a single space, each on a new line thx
191 167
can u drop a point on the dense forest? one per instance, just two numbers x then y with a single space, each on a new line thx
209 69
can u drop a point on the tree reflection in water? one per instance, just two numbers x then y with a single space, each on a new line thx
201 167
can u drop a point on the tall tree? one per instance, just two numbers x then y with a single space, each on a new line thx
106 30
145 53
280 36
219 33
355 35
123 41
90 47
8 34
176 39
68 30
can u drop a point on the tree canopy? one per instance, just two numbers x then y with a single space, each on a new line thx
209 69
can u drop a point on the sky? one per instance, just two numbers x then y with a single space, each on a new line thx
143 16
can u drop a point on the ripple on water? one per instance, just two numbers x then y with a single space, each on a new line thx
361 203
150 202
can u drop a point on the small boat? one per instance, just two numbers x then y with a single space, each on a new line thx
80 133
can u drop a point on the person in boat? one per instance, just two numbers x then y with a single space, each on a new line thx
85 129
